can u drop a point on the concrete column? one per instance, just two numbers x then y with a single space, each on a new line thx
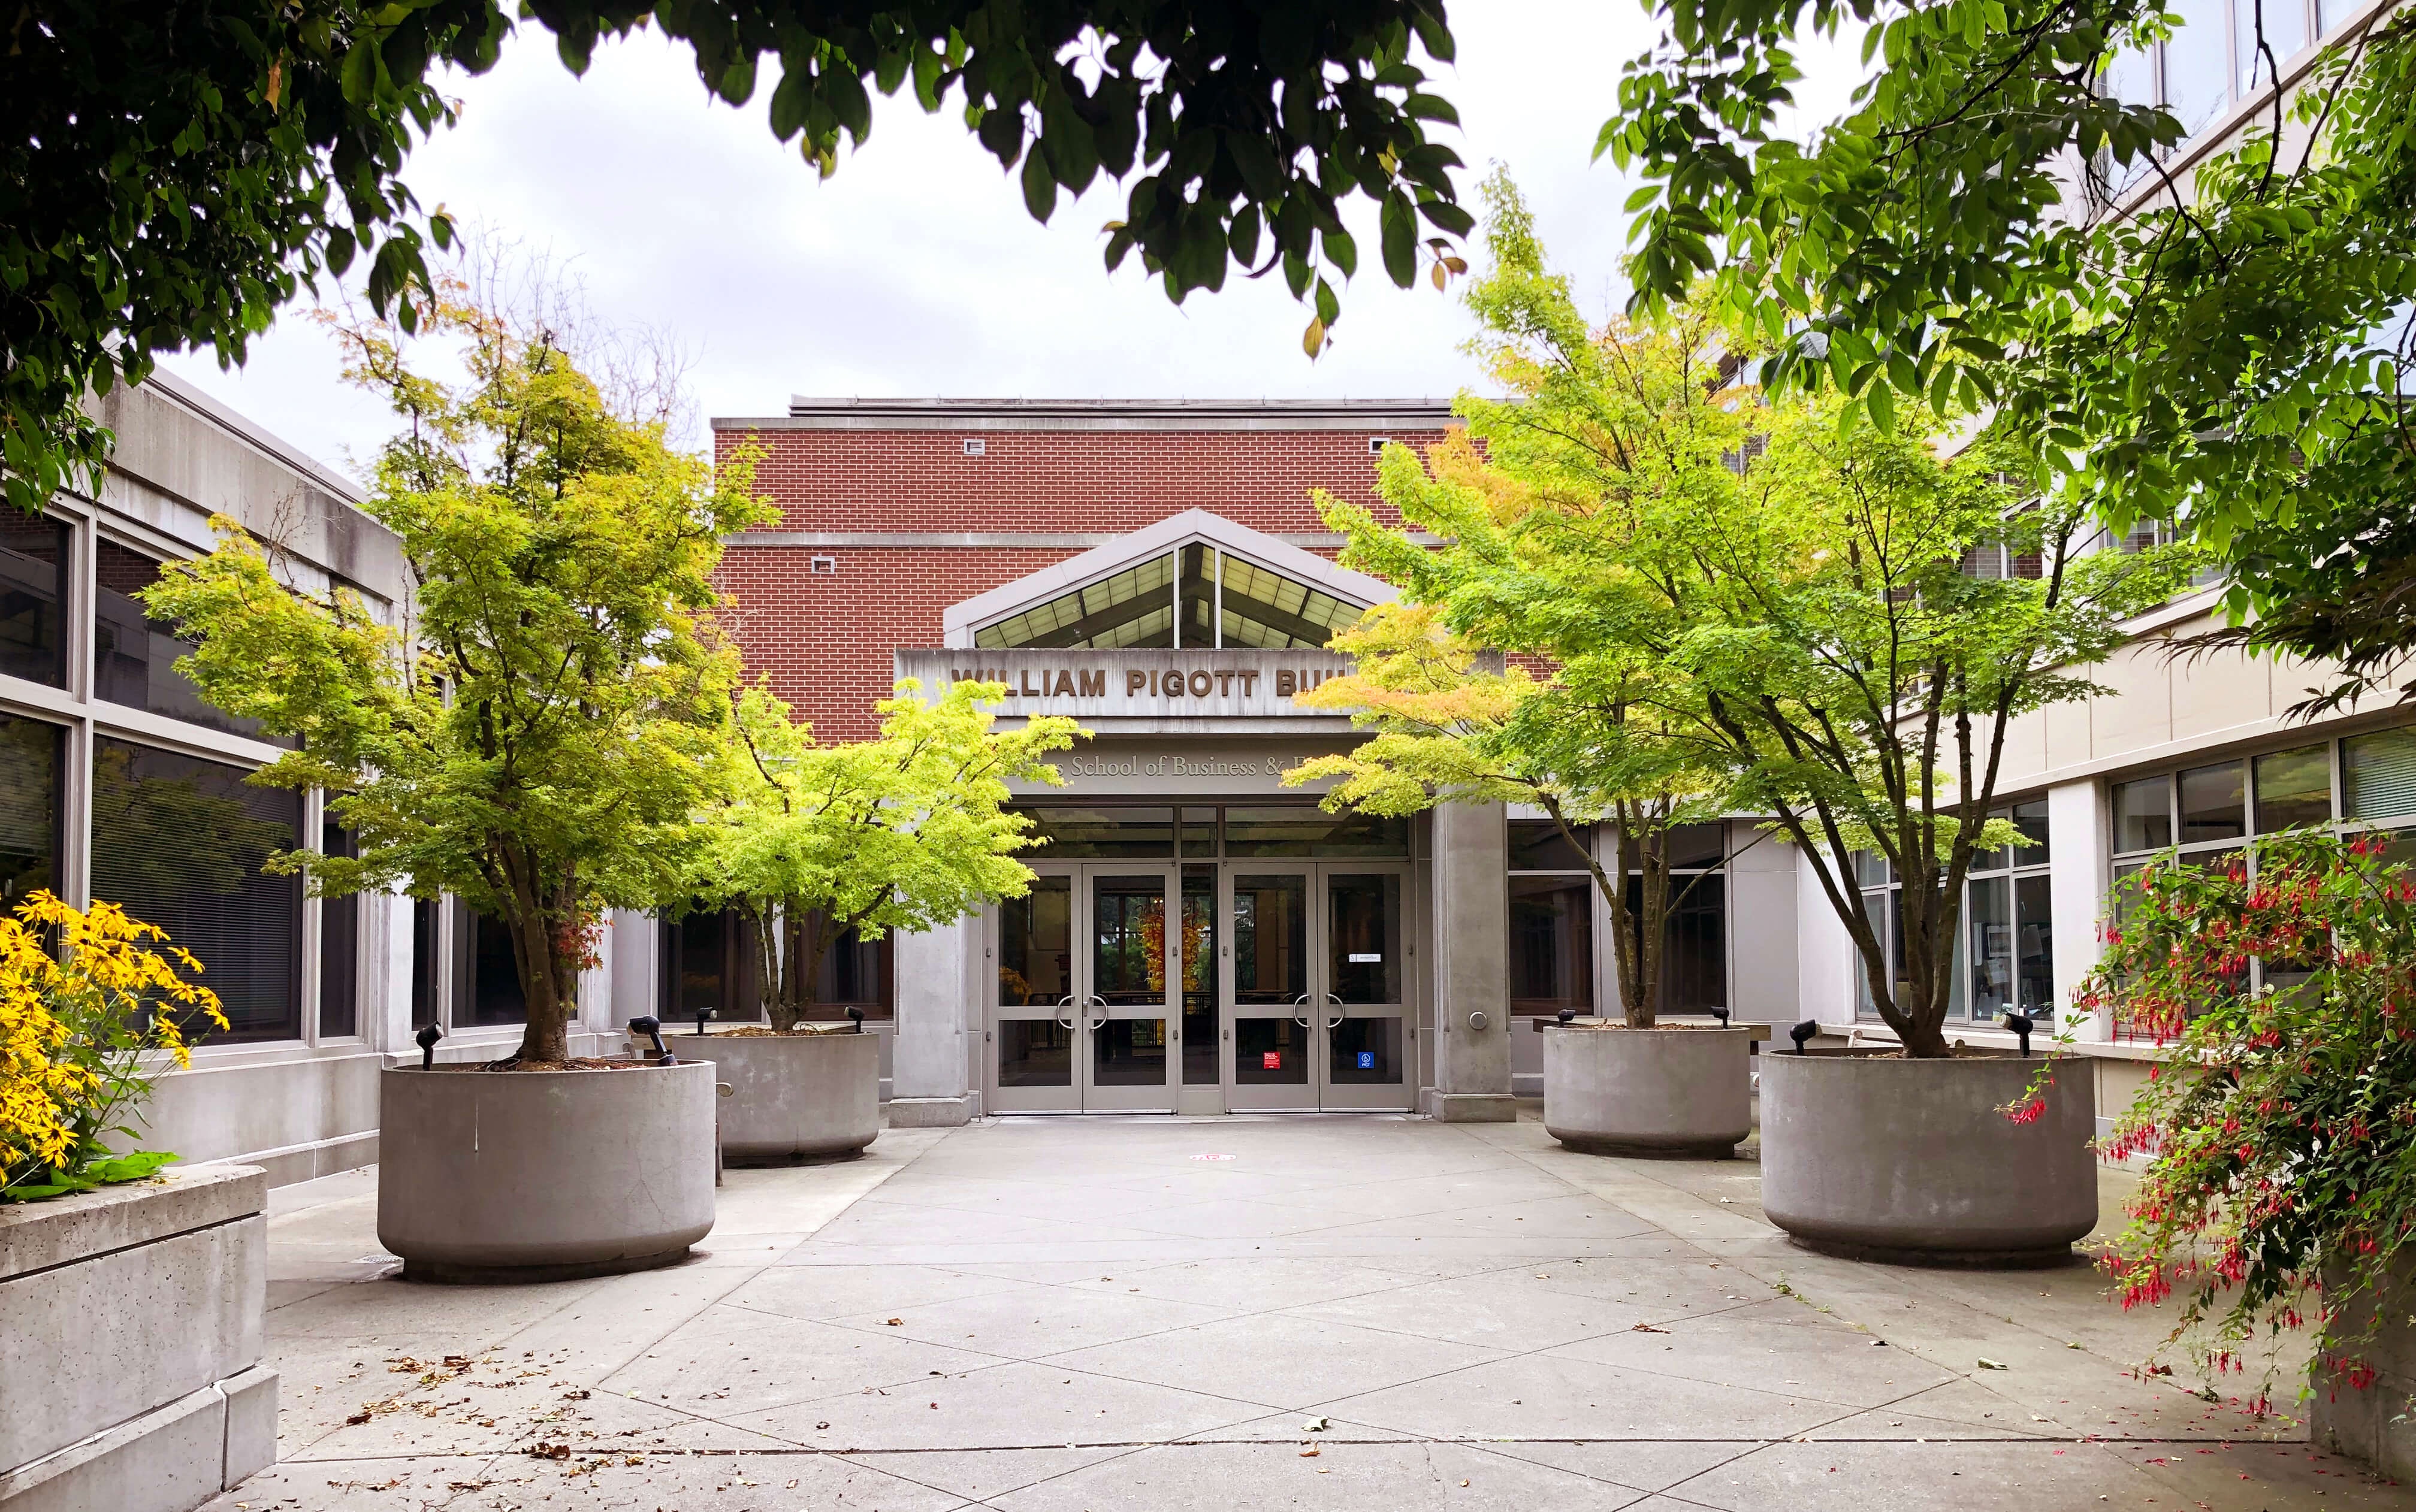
1471 965
2077 836
939 1003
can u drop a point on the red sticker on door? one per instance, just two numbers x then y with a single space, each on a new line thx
1272 1060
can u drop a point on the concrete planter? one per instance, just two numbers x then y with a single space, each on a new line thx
1676 1091
2374 1425
1913 1161
544 1175
794 1097
129 1344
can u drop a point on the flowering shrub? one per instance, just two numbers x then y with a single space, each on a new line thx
2282 1132
73 1036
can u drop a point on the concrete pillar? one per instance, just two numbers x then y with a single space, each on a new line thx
1471 965
2077 837
939 1004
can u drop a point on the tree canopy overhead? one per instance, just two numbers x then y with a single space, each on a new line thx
177 171
2221 343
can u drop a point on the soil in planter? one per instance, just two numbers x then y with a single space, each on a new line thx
759 1031
585 1063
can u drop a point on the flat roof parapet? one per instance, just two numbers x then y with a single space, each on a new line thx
809 413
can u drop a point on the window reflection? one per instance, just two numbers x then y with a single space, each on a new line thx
179 843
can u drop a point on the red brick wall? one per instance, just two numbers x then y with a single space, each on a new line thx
824 640
1058 480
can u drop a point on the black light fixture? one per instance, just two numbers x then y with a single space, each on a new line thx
1721 1014
1565 1015
653 1029
857 1014
1802 1034
428 1035
2021 1023
702 1014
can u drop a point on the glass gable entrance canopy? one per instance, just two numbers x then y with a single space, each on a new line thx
1195 596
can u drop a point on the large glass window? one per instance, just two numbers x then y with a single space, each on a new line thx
1195 596
487 988
31 759
134 657
33 598
179 843
1299 829
1101 833
1551 921
1199 976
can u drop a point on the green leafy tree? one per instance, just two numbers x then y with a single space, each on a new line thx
2226 348
538 736
904 832
178 174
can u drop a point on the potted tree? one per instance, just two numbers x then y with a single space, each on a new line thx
534 740
1603 432
812 843
2280 1191
1865 626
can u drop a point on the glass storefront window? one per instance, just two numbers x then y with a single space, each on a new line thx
31 756
1551 944
1100 834
179 842
1298 829
1539 846
33 598
1199 976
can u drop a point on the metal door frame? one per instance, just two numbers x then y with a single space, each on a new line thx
1335 1097
1261 1098
1081 1010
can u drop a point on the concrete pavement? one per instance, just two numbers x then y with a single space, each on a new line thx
1032 1315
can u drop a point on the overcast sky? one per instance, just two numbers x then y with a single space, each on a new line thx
916 270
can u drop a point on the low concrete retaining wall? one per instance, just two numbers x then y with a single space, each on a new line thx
130 1327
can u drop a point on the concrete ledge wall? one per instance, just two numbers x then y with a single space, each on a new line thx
2376 1426
131 1337
298 1117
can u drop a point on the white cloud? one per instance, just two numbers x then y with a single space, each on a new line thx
915 270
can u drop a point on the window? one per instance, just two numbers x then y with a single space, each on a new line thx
855 974
134 657
709 961
2294 788
2378 774
1102 834
33 598
2009 924
340 946
179 843
2212 58
2005 955
1196 596
1551 921
487 990
1199 973
1298 829
426 948
31 757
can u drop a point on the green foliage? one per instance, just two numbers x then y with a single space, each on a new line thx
2283 1127
905 831
2228 351
536 739
1751 605
179 173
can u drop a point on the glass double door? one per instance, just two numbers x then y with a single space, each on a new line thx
1314 999
1087 1018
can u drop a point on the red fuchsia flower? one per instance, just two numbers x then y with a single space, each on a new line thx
2030 1114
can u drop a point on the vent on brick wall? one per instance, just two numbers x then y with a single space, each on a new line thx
823 564
1376 444
974 446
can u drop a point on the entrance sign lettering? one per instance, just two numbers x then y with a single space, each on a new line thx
1215 683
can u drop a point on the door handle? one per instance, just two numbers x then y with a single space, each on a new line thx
1300 1011
1333 1005
1099 1003
1067 1004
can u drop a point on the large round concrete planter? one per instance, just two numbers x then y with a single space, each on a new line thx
1914 1162
544 1175
1675 1091
794 1097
